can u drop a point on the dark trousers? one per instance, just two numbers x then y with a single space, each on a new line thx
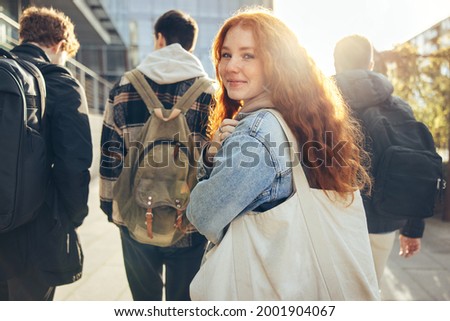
144 263
29 287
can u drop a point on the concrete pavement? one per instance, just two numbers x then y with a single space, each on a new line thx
425 276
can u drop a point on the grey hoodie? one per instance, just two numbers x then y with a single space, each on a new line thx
363 88
171 64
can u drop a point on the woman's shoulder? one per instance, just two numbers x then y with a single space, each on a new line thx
261 123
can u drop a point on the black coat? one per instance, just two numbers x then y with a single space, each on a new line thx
361 90
50 243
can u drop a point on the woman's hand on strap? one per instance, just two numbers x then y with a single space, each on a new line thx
226 128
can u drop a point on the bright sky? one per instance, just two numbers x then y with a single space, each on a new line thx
319 24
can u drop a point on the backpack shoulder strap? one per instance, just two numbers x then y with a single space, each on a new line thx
144 90
186 101
197 88
188 98
41 83
32 69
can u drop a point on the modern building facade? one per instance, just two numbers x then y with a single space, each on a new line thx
134 20
115 35
435 38
93 28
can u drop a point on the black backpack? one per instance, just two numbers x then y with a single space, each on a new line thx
406 169
25 169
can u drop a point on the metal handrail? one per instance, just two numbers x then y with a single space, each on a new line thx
9 20
89 71
96 94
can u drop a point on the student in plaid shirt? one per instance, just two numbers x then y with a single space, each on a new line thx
170 70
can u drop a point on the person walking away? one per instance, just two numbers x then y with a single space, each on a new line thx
369 96
45 252
171 70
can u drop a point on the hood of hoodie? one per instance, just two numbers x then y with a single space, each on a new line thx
171 64
364 88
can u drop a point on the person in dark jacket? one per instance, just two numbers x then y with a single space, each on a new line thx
363 88
45 252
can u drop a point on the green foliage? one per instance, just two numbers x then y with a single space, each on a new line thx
424 82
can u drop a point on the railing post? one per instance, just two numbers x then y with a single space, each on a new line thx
2 33
105 95
96 96
83 78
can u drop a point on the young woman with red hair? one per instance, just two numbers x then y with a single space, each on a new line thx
247 171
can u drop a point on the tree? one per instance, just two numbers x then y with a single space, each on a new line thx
424 82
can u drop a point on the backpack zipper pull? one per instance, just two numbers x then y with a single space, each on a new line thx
68 243
441 186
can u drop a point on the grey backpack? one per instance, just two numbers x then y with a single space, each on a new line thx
152 192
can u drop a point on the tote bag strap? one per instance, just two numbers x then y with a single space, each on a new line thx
311 215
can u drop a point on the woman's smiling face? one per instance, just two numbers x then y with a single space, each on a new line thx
240 67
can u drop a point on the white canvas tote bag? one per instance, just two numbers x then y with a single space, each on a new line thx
310 247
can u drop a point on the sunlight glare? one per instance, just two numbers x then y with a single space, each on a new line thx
319 24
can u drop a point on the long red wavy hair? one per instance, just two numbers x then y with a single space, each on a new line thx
309 101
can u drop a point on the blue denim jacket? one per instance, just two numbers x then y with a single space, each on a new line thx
251 172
